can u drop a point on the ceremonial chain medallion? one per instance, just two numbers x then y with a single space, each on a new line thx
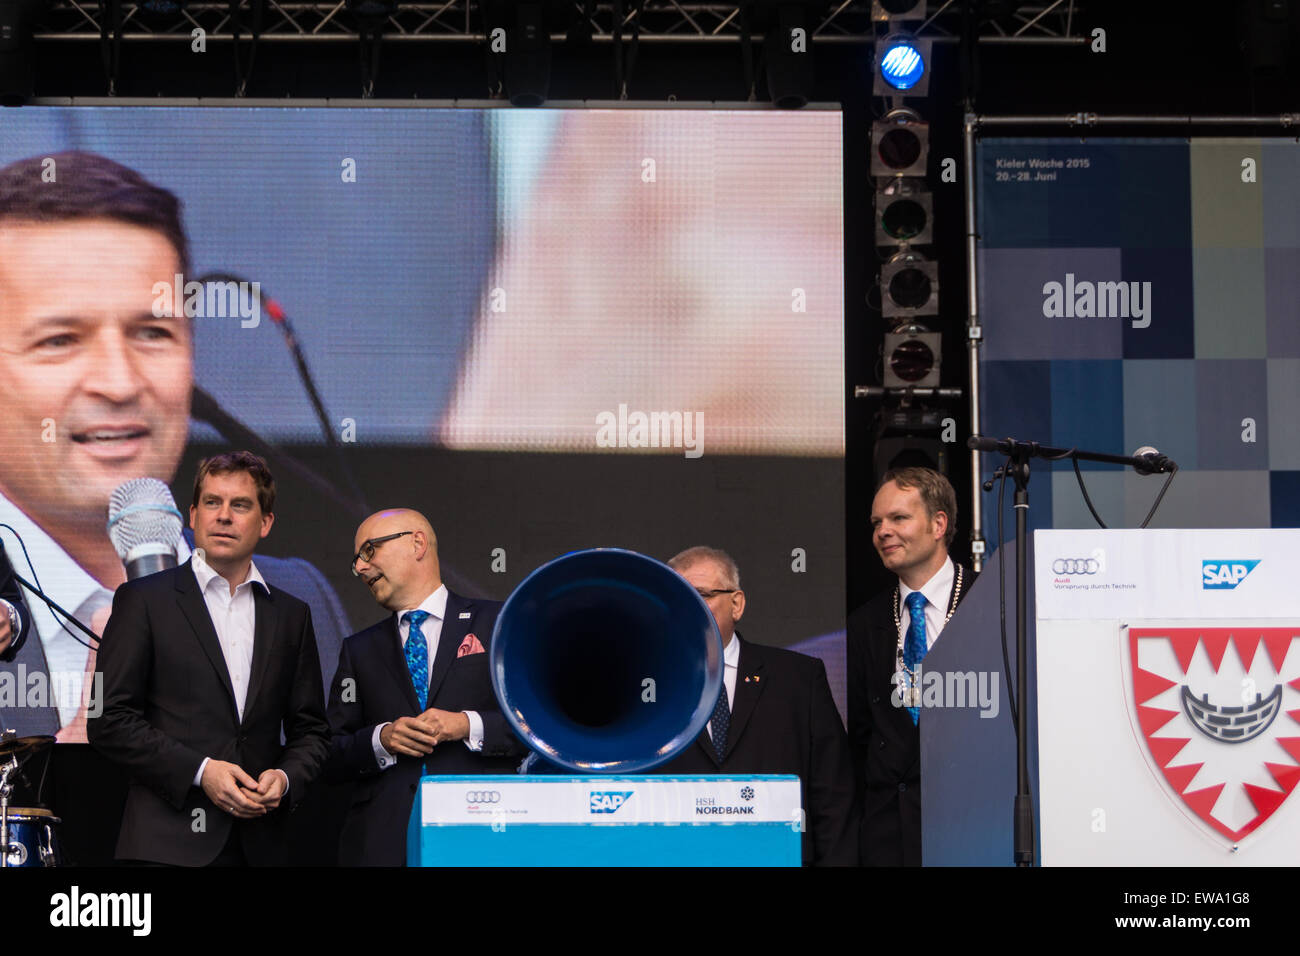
912 693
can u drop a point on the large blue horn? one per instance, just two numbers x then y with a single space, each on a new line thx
606 661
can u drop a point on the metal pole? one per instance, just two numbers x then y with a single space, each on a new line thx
974 336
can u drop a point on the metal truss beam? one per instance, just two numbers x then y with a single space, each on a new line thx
460 21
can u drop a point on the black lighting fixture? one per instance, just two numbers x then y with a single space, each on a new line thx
787 53
371 17
889 10
17 49
902 66
904 212
909 436
526 59
900 144
913 355
909 286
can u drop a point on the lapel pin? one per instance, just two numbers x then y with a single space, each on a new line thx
465 615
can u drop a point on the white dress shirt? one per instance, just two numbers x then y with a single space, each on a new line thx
234 617
730 667
436 605
938 592
68 583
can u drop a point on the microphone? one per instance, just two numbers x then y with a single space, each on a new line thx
14 596
1148 461
144 525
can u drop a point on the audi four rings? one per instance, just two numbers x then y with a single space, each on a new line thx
1075 566
483 796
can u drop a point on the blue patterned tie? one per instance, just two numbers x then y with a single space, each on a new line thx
914 645
721 720
417 655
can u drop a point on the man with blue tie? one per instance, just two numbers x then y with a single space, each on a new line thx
913 520
412 693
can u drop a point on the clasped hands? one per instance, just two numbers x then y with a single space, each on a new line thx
235 792
417 736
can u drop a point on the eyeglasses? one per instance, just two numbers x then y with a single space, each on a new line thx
715 592
368 549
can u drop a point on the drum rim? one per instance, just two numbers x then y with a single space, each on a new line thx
39 813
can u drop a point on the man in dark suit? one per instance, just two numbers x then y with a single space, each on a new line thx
412 694
913 520
776 716
204 666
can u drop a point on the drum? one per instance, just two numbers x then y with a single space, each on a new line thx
33 838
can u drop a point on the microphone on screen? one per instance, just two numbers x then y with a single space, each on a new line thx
144 525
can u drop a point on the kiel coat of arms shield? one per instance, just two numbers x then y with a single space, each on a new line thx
1219 714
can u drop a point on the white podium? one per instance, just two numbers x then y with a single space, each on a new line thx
1168 670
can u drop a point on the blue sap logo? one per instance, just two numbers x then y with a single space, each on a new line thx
607 801
1224 575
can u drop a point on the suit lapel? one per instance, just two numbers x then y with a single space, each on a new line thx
192 605
390 652
264 631
749 686
454 629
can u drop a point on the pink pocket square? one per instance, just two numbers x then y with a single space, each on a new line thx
471 645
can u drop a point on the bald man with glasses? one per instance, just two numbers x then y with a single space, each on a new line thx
412 693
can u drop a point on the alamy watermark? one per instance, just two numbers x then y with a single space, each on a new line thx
635 429
957 689
36 689
209 300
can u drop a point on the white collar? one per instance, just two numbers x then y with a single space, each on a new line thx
937 590
435 604
731 654
206 575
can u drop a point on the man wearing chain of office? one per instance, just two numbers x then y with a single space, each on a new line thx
913 521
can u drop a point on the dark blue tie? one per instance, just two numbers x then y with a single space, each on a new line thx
417 655
721 720
914 645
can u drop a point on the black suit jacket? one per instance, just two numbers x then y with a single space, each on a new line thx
168 703
784 720
886 744
372 686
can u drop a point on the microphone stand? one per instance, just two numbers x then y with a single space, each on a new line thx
57 609
1017 468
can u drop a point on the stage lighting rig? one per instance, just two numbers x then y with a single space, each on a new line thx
902 66
913 355
519 39
904 212
900 144
909 286
891 10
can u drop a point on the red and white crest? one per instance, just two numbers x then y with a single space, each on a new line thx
1218 709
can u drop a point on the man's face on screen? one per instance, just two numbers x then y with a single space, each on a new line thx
95 388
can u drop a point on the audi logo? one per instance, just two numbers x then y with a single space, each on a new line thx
1075 566
483 796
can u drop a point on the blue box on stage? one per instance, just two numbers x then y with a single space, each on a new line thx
554 820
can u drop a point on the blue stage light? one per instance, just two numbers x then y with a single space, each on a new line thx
901 64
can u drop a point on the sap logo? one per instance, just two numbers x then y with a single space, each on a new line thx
608 801
1224 575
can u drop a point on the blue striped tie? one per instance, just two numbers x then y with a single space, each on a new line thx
417 655
914 645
